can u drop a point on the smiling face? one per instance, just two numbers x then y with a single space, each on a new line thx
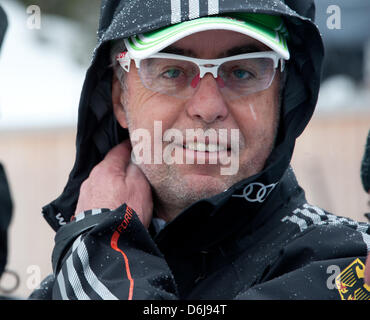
255 116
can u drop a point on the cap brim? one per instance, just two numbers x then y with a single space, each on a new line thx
144 45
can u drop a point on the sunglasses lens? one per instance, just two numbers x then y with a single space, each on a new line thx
180 78
247 76
168 76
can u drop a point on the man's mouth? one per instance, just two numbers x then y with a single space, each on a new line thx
205 147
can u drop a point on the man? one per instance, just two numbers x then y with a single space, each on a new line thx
6 205
154 216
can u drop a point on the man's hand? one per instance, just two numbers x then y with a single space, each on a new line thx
114 181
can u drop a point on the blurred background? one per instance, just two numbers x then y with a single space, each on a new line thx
41 76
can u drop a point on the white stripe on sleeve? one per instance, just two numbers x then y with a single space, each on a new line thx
90 276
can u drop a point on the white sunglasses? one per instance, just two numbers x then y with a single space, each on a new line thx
178 75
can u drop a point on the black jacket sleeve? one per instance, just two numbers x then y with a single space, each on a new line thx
109 255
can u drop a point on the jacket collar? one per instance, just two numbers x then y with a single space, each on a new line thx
242 208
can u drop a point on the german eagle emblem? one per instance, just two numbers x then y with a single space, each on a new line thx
350 282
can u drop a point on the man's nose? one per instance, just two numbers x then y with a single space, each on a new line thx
207 103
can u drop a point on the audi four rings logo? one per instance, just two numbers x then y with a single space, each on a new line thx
256 192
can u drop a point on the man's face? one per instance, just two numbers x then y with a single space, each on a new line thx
255 116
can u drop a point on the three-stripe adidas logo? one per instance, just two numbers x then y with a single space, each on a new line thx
76 275
309 215
194 9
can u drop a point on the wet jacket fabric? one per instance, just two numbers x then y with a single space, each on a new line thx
289 250
258 239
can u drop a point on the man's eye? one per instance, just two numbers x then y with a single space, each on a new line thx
241 74
172 73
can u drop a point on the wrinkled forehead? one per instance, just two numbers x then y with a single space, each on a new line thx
213 44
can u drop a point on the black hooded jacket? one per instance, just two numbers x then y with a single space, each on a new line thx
259 239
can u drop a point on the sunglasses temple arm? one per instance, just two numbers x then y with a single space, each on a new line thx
125 61
282 65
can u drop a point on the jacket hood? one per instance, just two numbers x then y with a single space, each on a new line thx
98 131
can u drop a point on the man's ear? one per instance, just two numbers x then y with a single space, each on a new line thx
118 110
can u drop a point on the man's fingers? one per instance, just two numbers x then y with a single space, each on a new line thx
119 155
